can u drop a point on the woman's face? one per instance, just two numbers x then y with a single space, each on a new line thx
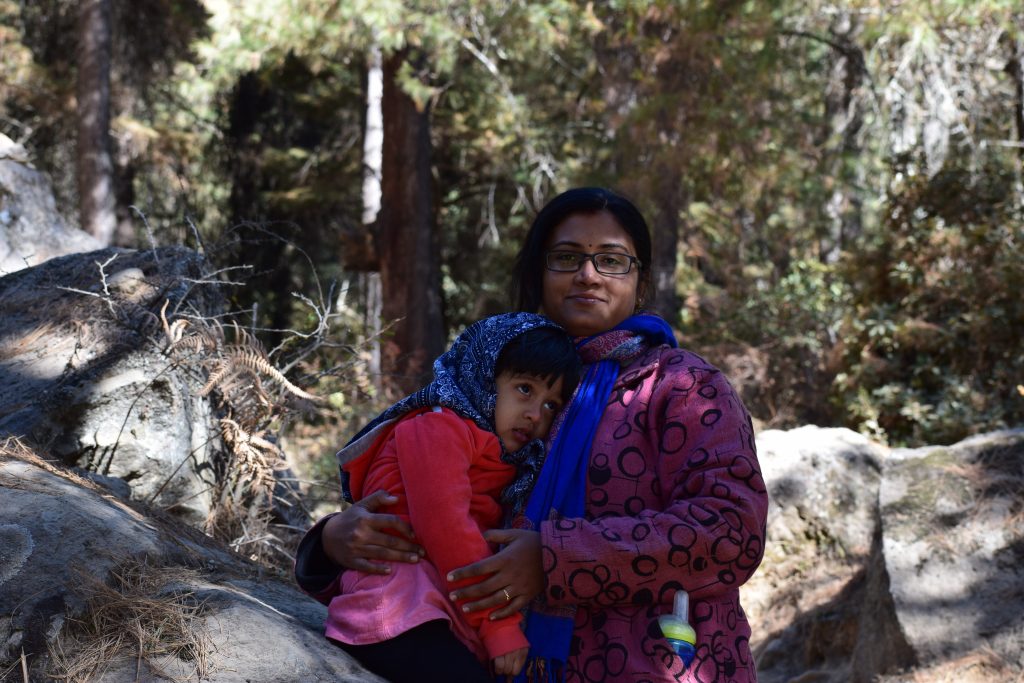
587 302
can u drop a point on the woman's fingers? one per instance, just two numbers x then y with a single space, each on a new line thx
513 576
516 604
484 567
491 600
513 540
504 536
379 499
360 538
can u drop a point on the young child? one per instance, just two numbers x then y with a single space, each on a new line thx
452 453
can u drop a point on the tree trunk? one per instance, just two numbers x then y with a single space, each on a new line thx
665 239
845 116
1015 67
407 243
373 140
95 169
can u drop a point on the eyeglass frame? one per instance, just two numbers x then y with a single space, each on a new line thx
633 260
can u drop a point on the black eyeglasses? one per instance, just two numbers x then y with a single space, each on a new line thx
606 263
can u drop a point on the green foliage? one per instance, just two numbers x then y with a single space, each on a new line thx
802 310
907 321
933 342
844 179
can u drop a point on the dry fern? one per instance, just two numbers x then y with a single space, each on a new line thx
243 382
201 339
255 458
244 495
247 357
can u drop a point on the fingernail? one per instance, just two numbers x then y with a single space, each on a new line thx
465 608
451 596
414 558
450 577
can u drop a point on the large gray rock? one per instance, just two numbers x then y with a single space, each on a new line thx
953 541
83 368
31 228
890 566
56 530
824 484
803 602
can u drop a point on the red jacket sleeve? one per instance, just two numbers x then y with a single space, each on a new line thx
449 488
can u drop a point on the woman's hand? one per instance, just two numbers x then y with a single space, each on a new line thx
514 574
511 663
357 536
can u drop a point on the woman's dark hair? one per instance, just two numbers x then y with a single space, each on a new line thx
528 272
544 352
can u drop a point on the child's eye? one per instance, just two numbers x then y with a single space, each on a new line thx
552 406
524 389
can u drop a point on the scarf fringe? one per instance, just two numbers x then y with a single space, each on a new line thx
541 670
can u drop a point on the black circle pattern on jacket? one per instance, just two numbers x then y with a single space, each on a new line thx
678 436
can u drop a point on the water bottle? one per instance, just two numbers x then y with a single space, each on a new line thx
677 629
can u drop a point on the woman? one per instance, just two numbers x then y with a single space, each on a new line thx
651 485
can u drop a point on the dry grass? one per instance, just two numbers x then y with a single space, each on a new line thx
21 664
22 341
13 448
146 614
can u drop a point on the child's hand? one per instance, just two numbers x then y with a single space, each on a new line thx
510 663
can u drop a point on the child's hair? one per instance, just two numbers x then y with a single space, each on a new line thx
544 352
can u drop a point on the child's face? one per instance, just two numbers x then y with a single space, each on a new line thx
525 407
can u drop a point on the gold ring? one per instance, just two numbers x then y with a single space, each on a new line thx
508 598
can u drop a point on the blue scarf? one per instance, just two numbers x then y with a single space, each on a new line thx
561 487
464 382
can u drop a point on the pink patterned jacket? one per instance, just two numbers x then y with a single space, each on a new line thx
675 499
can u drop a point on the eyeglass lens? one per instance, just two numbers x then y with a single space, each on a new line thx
608 263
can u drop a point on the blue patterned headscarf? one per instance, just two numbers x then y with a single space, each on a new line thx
464 382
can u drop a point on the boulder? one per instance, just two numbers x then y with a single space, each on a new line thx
84 372
890 565
31 228
804 600
70 551
953 543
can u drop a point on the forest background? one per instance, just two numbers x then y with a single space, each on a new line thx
835 188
